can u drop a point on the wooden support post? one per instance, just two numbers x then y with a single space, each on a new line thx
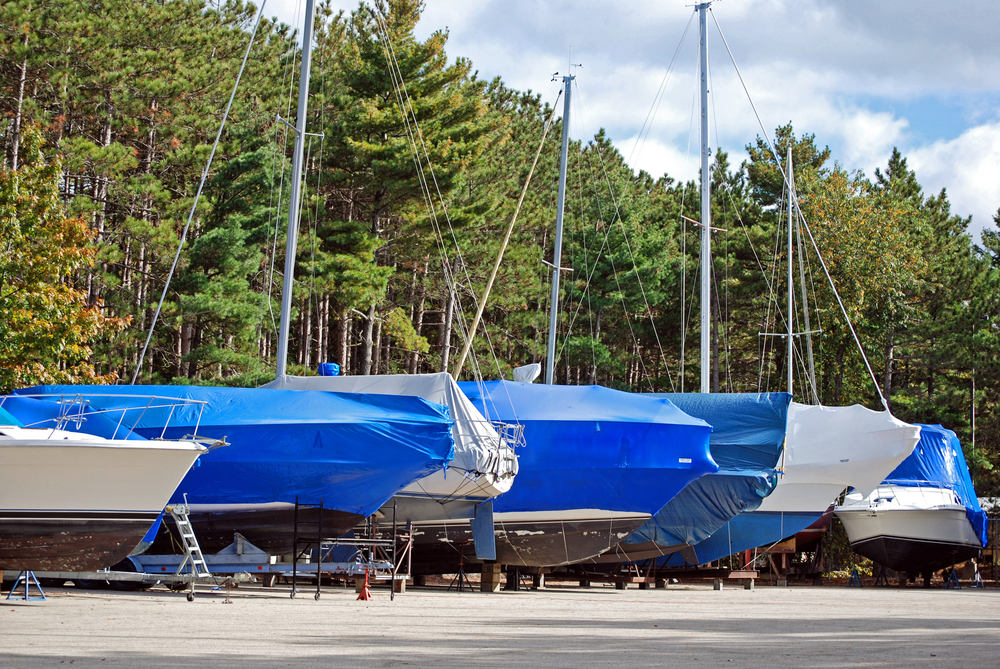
491 577
359 584
419 580
620 585
717 584
269 580
584 583
748 584
644 585
538 581
399 585
661 584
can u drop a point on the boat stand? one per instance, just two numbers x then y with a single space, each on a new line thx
461 579
377 557
855 580
952 582
29 580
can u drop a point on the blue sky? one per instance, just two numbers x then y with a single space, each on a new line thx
862 76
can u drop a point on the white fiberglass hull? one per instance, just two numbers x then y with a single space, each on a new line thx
71 502
909 529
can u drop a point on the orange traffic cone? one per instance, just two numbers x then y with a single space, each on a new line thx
366 592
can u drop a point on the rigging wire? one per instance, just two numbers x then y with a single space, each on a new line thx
271 253
628 246
413 135
407 108
201 186
826 271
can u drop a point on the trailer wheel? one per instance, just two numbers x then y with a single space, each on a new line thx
128 586
190 596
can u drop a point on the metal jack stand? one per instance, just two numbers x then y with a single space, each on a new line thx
882 578
295 551
28 577
953 583
855 580
461 579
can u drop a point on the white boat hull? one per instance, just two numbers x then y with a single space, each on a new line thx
79 503
907 529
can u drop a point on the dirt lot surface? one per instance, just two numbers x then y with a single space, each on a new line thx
688 626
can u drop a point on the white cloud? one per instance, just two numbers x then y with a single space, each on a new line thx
835 68
968 166
659 158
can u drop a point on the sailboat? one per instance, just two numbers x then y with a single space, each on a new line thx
484 465
295 456
820 450
80 500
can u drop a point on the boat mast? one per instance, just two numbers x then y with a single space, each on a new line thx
550 364
706 207
295 194
791 294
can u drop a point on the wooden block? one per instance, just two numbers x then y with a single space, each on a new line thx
717 584
490 581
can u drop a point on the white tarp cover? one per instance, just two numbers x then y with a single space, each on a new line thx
830 448
476 442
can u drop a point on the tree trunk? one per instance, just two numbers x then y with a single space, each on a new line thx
351 358
342 321
445 338
307 335
366 364
715 345
19 108
378 345
592 376
838 385
418 322
887 375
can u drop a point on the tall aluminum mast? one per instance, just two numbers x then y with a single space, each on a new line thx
791 294
295 194
706 207
550 360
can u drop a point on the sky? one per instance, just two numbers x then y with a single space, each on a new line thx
862 76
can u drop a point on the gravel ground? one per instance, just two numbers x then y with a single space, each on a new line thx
574 627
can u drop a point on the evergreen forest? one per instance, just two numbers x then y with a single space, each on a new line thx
414 169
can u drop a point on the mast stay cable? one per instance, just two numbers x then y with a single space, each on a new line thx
201 186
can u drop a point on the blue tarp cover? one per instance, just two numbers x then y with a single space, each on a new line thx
938 460
6 418
589 447
745 531
352 451
748 432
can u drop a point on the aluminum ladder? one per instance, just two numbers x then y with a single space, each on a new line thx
193 557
